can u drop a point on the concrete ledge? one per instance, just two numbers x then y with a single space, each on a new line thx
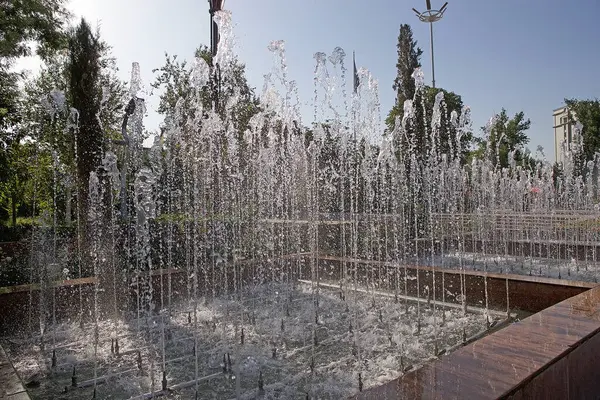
552 354
11 387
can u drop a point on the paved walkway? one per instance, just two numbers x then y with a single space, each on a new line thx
11 387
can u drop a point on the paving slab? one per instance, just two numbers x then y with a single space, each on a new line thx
11 387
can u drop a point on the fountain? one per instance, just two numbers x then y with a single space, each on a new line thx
285 263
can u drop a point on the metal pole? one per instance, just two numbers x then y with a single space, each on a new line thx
214 35
211 13
210 24
431 16
432 60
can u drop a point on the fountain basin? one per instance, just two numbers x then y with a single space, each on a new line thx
368 331
504 293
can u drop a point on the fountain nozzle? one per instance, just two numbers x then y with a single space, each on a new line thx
164 381
261 383
74 378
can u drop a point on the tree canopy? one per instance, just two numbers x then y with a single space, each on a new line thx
27 22
409 56
504 139
587 112
409 59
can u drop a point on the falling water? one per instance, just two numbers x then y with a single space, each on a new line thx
272 261
95 216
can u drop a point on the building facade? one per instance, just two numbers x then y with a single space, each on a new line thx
564 127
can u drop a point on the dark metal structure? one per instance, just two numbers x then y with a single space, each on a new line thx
214 6
431 16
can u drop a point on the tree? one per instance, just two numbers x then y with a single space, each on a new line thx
587 112
85 94
504 137
409 56
179 99
24 24
25 21
12 186
47 126
447 133
9 96
174 77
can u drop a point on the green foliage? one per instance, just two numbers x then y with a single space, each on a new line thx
175 80
505 136
9 106
395 114
416 139
33 134
26 21
447 133
9 97
84 71
13 186
409 59
409 55
423 104
587 112
23 23
227 95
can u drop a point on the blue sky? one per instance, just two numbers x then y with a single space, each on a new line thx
520 55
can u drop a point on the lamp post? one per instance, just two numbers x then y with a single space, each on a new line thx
431 16
213 7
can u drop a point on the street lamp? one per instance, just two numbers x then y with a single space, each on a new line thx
213 7
431 16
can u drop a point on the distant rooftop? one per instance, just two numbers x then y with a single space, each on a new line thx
559 108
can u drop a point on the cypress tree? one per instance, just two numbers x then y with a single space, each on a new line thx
84 74
409 56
